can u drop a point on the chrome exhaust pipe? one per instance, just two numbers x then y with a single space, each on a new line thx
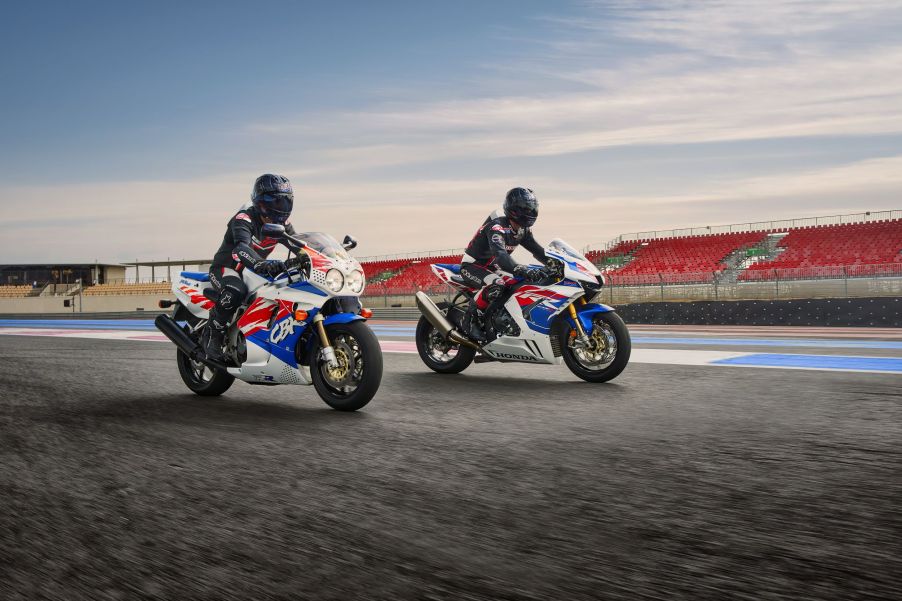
444 327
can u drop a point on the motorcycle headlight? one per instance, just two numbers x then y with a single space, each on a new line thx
355 281
334 280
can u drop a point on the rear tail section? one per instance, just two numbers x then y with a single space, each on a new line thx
450 274
190 290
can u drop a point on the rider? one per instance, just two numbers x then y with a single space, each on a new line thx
245 246
489 252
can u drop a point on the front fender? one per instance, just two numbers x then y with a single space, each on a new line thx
587 312
307 341
342 318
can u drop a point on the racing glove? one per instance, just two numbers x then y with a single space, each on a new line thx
270 268
530 274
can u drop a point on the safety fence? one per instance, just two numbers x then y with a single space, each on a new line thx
772 284
728 284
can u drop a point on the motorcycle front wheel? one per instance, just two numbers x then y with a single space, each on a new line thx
606 354
354 382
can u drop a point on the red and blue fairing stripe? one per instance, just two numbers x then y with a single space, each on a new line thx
539 305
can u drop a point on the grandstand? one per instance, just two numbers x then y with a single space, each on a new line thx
850 246
684 259
417 274
821 255
854 250
820 248
18 291
382 270
128 288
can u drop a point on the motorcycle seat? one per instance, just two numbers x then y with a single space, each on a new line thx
454 268
200 276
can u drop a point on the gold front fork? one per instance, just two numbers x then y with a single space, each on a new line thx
327 350
321 330
579 325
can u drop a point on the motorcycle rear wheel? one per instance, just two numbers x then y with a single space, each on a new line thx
203 379
609 354
440 355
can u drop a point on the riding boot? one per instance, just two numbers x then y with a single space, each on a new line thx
470 325
213 338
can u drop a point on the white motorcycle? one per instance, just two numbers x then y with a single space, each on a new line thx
546 322
305 326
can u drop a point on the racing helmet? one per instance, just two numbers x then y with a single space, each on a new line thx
522 206
273 197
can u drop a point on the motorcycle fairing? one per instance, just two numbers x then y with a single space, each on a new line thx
306 286
271 350
538 305
533 345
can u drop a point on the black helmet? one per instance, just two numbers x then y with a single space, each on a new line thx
522 206
273 197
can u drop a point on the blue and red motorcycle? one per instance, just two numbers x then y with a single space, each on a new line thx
304 326
548 322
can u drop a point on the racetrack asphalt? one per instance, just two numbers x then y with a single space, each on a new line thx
505 482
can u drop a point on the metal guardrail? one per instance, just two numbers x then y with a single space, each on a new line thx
85 315
729 284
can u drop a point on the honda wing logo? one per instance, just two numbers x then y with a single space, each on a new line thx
282 331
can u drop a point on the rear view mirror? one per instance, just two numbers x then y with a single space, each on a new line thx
273 230
349 242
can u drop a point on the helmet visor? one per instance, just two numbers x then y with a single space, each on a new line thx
278 202
526 216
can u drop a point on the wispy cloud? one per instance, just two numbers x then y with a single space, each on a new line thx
712 72
406 216
677 77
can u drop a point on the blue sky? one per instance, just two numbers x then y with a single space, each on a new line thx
136 129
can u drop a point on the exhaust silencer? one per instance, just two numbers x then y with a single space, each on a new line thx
444 327
177 335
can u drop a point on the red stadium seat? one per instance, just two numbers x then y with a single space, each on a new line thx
684 259
827 250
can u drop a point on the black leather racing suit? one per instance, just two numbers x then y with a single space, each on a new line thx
243 245
490 250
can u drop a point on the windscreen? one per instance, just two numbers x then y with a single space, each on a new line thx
323 244
563 248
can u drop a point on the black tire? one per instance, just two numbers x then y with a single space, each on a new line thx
615 367
461 360
202 379
340 335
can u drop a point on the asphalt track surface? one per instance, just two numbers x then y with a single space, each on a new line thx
507 482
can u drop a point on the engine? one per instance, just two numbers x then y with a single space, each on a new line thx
505 325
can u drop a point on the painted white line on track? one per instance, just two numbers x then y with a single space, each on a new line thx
692 357
680 357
